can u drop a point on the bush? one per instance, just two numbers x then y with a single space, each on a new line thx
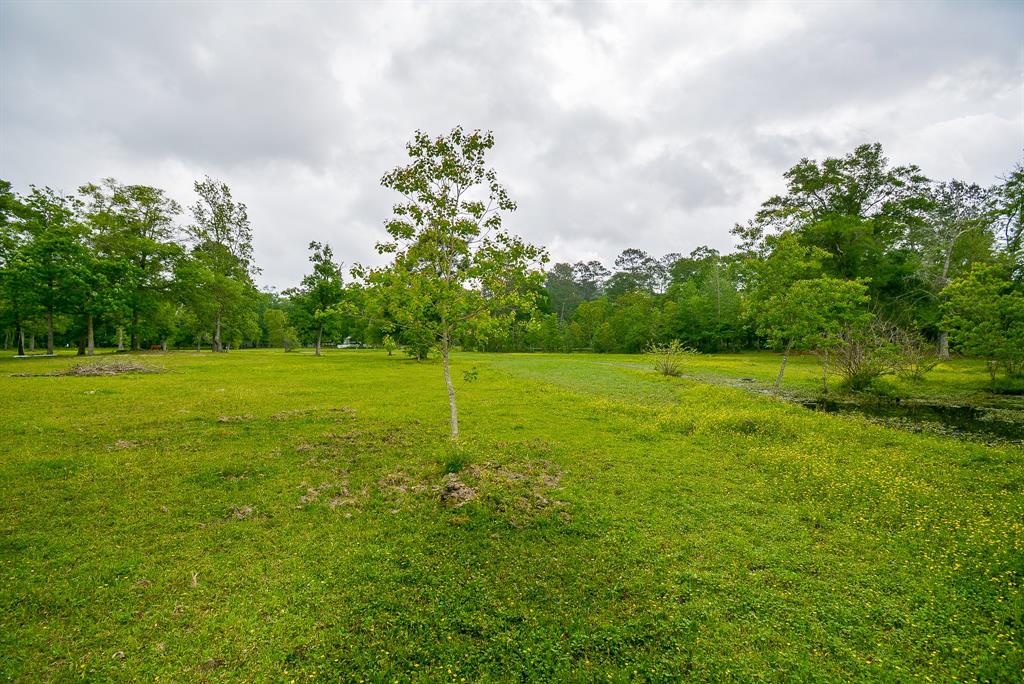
913 356
1013 386
668 358
389 344
865 353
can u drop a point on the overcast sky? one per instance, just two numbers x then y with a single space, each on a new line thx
652 126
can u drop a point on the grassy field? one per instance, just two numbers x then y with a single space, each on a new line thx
959 380
269 516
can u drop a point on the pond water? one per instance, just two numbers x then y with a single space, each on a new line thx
963 420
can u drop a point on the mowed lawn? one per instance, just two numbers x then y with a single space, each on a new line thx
268 516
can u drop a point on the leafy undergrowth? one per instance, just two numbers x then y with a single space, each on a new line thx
266 516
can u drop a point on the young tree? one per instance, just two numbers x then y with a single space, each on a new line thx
389 344
810 314
455 270
279 333
222 252
317 305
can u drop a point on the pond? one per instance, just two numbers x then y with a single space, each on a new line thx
957 420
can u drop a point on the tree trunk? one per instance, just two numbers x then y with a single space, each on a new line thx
81 346
216 335
49 332
319 337
824 372
136 342
782 368
943 349
32 342
163 345
21 341
7 339
120 338
451 388
199 343
90 342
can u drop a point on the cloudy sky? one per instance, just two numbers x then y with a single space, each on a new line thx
656 126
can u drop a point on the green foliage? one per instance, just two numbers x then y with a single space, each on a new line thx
128 267
1007 210
317 305
48 272
810 314
217 278
279 332
817 313
455 272
389 344
134 237
878 202
984 311
668 358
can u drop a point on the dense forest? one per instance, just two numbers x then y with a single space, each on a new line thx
856 253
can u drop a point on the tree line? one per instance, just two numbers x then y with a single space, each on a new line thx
114 265
872 263
857 257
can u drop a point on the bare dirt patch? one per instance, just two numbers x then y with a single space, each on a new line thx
357 442
242 512
455 493
519 490
335 494
211 664
288 415
234 419
344 410
401 482
123 444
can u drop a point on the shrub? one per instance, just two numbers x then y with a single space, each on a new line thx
864 353
389 344
913 356
668 358
984 313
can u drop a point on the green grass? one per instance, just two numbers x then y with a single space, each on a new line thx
958 380
269 516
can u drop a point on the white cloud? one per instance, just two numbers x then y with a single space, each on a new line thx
618 125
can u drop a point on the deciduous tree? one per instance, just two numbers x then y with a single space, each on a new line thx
317 305
221 240
455 269
135 236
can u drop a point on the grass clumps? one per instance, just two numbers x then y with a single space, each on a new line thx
668 358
